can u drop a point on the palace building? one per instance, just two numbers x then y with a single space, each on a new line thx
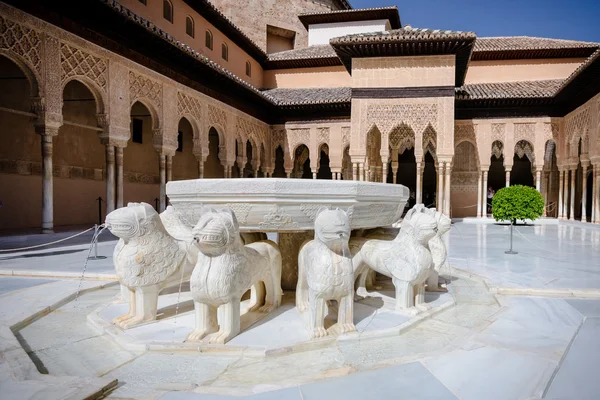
102 102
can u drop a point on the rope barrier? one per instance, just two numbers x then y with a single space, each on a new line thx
46 244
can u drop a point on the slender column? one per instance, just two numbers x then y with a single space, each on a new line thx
200 168
110 178
538 180
561 186
119 163
419 193
47 186
594 194
584 194
394 171
354 171
361 171
507 178
479 183
314 175
484 194
440 188
597 193
447 189
546 192
384 171
162 161
572 207
169 166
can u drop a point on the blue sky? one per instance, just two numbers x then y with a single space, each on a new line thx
561 19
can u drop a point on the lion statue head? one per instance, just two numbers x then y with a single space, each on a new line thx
443 222
422 226
135 220
216 232
332 227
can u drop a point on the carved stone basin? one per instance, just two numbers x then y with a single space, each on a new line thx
289 205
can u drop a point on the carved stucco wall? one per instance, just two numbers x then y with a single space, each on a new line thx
404 123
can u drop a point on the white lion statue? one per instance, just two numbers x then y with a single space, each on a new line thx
406 260
147 258
225 270
325 273
436 245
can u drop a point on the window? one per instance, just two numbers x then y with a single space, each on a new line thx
168 10
143 2
137 130
208 40
224 52
248 68
189 26
179 141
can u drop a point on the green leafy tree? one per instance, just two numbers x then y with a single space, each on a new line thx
517 203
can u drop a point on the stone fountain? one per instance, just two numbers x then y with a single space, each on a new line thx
216 228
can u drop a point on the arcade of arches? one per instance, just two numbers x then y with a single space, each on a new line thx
73 133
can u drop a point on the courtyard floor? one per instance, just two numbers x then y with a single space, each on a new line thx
523 326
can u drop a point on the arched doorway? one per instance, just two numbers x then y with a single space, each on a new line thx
374 163
429 181
346 165
185 165
20 151
262 165
78 154
496 173
302 163
236 171
213 168
141 181
589 195
279 171
465 172
522 173
407 173
248 171
550 187
324 171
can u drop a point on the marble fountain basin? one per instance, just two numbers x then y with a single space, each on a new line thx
289 205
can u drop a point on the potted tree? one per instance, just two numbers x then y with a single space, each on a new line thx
515 203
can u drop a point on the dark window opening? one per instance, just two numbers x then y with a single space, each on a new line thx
189 26
168 10
179 141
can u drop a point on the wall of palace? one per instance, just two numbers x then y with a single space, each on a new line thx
521 70
253 20
236 62
403 71
335 76
70 104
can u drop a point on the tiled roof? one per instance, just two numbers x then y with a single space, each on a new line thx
514 47
289 97
527 43
509 90
316 51
360 14
591 59
403 34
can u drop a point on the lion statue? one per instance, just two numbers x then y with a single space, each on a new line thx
225 270
436 245
148 258
405 259
325 273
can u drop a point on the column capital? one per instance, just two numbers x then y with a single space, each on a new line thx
46 130
116 142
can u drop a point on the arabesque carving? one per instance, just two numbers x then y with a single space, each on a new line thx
142 87
77 62
21 40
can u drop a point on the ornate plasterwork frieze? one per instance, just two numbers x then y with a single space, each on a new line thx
23 41
388 116
142 87
189 105
76 62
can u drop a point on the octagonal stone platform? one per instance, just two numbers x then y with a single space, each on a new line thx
282 331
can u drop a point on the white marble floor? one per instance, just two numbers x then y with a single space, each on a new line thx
550 256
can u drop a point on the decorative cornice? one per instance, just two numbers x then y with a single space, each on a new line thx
402 92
